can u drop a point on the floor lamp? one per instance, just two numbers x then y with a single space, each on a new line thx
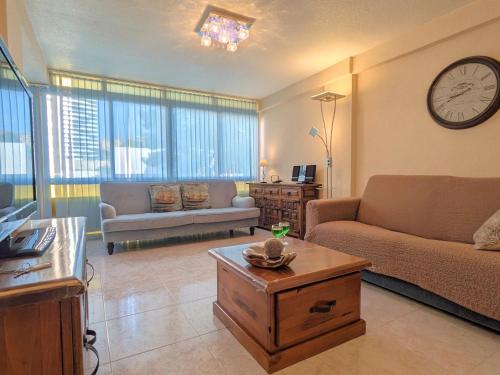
327 137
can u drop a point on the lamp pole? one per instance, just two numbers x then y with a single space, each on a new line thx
327 138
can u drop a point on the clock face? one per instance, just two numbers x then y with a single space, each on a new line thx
466 93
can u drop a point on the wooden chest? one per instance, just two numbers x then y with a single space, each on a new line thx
284 202
287 315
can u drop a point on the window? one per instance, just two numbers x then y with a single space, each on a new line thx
101 130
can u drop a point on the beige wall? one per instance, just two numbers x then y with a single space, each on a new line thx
383 126
285 139
3 19
18 33
396 135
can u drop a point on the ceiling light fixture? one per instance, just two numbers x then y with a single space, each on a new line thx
221 28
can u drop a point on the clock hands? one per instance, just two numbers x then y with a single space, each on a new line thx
457 95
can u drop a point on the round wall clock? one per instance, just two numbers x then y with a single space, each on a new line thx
465 93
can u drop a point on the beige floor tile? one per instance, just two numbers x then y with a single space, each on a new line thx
451 343
128 303
162 294
233 357
380 306
104 369
192 288
200 315
186 357
138 333
375 353
491 366
101 345
96 308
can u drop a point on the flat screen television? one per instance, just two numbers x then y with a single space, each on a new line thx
304 174
17 171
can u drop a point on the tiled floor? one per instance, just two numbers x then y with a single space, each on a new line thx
151 308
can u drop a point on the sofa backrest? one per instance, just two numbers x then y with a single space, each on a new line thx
436 207
133 197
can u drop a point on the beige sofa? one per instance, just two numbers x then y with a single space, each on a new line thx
417 232
126 213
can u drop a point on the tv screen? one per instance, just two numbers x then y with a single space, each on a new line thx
17 178
304 173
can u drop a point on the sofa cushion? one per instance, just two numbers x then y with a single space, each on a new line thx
217 215
165 197
147 221
195 196
127 197
221 193
436 207
487 237
453 270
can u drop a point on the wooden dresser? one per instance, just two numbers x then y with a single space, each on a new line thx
43 314
284 202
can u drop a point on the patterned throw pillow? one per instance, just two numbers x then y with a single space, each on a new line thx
487 237
165 198
195 196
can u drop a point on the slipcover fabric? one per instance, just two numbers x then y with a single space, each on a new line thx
436 207
216 215
148 220
453 270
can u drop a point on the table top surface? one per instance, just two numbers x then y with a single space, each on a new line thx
313 263
66 253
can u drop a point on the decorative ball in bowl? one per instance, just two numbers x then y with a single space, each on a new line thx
273 248
271 255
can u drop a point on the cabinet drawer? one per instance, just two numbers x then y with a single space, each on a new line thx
316 309
272 192
290 193
255 191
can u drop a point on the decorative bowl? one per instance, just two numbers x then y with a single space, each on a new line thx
256 256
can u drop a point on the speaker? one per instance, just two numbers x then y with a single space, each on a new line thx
295 173
310 173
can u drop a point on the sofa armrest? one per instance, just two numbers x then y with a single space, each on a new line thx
107 211
243 202
322 210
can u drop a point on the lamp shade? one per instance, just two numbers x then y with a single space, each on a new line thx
313 132
263 162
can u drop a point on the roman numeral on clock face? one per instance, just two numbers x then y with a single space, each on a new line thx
485 76
489 87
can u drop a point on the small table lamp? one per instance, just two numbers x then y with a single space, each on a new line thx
263 165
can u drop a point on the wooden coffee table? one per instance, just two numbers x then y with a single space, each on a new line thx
286 315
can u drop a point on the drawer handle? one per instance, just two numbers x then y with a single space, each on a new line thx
326 308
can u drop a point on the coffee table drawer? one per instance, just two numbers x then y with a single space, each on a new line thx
306 312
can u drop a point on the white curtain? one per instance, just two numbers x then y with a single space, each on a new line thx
101 130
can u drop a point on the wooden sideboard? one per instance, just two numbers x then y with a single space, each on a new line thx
284 202
43 314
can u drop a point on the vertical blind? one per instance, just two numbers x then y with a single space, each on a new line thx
16 168
102 130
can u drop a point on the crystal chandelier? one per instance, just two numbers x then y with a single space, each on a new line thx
221 28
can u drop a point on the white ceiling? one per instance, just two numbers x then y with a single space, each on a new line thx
154 40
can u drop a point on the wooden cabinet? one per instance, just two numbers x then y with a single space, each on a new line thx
43 314
286 315
284 202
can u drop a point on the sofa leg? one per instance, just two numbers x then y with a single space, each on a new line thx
231 233
111 247
252 231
